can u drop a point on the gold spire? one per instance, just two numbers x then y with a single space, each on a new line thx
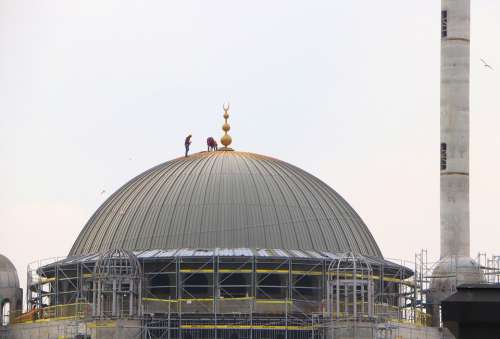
226 138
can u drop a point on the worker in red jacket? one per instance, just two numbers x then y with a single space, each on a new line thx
211 144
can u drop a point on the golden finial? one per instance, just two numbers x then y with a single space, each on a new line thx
226 138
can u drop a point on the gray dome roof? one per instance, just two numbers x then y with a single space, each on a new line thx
226 199
8 274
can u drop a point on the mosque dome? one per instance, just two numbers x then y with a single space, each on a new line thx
8 274
226 199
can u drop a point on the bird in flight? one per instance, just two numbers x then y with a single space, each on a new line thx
485 64
103 192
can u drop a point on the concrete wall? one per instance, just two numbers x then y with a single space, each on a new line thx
131 329
386 331
60 329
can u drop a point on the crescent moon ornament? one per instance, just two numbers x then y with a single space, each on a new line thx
226 138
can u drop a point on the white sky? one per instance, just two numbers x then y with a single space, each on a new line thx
347 90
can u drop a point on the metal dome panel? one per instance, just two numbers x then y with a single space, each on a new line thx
8 274
226 199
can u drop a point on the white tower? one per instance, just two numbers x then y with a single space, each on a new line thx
455 266
455 57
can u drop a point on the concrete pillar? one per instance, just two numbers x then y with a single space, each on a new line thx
114 312
99 299
455 266
455 57
131 298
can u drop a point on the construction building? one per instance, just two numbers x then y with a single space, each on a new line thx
230 244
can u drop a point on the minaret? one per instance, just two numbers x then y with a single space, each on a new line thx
455 266
455 59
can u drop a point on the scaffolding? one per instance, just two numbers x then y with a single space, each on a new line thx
350 288
422 280
204 295
360 289
185 296
490 267
117 285
435 281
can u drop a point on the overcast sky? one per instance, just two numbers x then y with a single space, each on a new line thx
94 92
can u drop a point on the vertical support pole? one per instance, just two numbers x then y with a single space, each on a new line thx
289 295
329 299
131 298
179 294
497 280
362 288
169 311
215 286
79 282
382 286
99 298
140 305
28 289
253 294
286 320
355 289
312 326
337 290
416 290
94 301
56 287
370 298
346 300
114 294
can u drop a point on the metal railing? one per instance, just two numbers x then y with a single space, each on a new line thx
57 312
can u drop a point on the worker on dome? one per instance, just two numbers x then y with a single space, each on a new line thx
211 144
187 143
